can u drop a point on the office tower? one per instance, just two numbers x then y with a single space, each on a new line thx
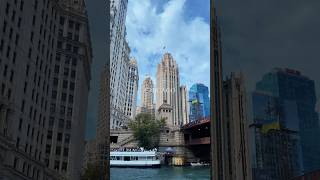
236 159
45 59
147 102
184 105
217 136
132 89
119 60
199 101
168 86
296 95
275 148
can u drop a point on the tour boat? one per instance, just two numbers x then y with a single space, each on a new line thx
134 159
199 164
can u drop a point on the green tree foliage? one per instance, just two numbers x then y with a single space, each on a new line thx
146 129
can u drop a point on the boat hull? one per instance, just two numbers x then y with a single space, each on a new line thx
135 164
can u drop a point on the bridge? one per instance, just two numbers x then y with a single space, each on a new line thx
191 140
197 138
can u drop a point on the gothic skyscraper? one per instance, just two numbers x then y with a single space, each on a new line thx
168 87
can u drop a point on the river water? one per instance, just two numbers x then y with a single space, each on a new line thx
163 173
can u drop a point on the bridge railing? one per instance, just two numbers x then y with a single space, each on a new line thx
198 141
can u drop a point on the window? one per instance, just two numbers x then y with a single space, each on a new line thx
65 84
49 135
74 61
56 165
4 26
54 95
75 49
73 73
64 166
70 99
56 69
77 26
63 97
52 108
20 124
68 47
58 150
51 121
18 143
68 125
71 23
59 137
65 152
55 82
69 113
61 123
62 110
71 86
15 162
66 71
62 19
67 138
48 149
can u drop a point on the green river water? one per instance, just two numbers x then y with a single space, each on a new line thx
163 173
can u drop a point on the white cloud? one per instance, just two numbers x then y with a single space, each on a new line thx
187 39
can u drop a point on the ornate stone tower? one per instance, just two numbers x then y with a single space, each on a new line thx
168 86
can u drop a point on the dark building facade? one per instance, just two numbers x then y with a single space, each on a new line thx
276 149
217 153
45 61
289 100
236 160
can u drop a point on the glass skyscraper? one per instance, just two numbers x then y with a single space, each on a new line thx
199 101
291 101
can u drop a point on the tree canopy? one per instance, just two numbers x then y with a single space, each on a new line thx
146 129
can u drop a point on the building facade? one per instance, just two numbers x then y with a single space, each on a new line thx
296 95
236 159
168 87
199 101
147 96
132 89
276 148
184 105
119 60
217 136
46 58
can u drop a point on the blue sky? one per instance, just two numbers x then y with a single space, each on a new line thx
181 26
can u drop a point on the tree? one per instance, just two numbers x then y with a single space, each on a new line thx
146 129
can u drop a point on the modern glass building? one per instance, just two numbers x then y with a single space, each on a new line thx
276 151
199 101
294 107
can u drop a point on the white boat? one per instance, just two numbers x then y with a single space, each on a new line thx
134 159
199 164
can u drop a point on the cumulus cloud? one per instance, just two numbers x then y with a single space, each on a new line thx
149 30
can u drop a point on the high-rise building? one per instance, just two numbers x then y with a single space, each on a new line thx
45 59
184 105
168 87
217 135
119 60
236 159
199 101
275 148
296 95
132 89
147 96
